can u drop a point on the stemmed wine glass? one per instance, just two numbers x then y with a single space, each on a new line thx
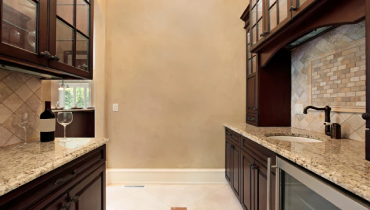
23 122
65 118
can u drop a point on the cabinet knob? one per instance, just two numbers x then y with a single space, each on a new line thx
45 54
83 66
366 116
264 34
292 8
255 109
55 58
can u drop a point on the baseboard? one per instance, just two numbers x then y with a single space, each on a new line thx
165 176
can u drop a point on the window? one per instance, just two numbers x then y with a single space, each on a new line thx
72 94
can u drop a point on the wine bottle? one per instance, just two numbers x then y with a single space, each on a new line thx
47 124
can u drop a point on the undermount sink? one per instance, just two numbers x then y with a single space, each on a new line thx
294 139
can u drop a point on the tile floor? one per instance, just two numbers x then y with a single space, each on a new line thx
165 197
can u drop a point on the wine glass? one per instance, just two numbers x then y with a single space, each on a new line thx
22 123
65 118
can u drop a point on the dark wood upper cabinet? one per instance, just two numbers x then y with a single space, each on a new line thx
268 99
52 37
24 30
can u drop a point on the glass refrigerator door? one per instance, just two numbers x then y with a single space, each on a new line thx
297 196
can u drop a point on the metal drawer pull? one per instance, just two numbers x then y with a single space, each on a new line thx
250 119
62 180
67 206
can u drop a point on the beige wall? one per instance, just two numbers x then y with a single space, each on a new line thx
177 70
99 93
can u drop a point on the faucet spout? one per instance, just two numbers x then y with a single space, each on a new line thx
327 110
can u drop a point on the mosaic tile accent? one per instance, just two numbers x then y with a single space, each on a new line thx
20 94
337 77
348 59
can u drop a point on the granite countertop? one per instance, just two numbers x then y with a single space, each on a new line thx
341 161
22 163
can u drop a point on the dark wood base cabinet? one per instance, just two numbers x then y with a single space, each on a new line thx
78 185
246 171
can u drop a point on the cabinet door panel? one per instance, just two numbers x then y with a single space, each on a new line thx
24 30
228 161
261 187
252 94
90 192
236 170
247 183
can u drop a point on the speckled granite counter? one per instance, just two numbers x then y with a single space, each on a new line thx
339 161
23 163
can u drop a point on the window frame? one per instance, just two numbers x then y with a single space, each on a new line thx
73 86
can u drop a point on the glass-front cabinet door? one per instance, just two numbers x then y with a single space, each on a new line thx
71 31
278 14
24 30
256 22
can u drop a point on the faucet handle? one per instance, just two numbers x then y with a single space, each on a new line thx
366 116
328 123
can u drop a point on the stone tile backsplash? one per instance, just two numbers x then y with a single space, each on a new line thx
330 70
20 107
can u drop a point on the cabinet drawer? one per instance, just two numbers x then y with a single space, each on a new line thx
258 152
252 119
233 135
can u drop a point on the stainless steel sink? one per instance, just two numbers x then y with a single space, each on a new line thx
294 139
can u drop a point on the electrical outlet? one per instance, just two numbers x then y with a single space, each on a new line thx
115 107
299 109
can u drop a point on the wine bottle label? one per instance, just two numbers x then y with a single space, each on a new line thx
47 125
